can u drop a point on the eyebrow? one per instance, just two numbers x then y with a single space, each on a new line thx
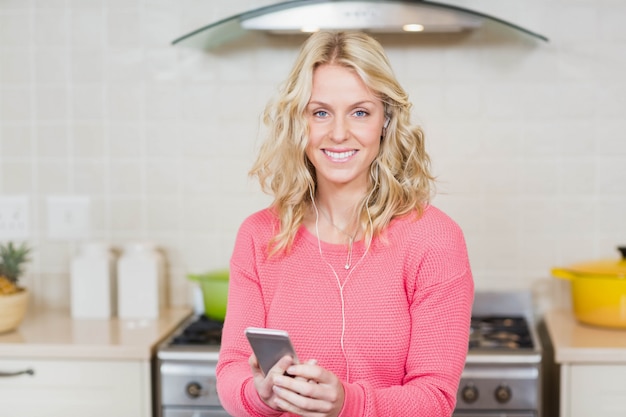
358 103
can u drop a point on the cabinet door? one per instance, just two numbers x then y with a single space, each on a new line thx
597 390
67 388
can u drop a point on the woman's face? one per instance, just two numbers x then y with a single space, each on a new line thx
345 125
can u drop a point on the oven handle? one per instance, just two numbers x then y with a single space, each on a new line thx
204 412
458 413
502 373
188 369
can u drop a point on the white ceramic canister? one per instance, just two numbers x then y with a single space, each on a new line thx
140 281
92 282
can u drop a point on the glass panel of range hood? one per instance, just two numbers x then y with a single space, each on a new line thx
376 16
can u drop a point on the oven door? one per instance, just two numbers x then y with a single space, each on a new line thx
188 384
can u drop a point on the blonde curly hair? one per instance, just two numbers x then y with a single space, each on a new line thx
400 178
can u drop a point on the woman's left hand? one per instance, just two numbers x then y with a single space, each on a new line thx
312 391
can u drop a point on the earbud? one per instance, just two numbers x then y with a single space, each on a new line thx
386 122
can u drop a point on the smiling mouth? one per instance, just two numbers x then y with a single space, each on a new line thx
339 155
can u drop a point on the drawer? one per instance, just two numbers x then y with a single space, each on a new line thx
75 388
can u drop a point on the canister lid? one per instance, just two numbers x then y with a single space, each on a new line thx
94 248
140 247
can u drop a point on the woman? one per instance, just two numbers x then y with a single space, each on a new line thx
371 282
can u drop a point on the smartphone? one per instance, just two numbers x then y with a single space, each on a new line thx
269 345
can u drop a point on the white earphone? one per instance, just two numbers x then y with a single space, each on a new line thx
386 122
339 284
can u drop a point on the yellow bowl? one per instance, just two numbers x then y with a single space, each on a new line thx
598 300
12 310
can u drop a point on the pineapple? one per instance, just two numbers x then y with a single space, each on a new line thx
12 260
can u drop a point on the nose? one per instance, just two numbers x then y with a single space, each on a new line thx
339 130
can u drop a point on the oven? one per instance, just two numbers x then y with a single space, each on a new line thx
502 374
501 378
185 376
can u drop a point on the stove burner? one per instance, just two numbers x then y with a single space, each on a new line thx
202 331
496 332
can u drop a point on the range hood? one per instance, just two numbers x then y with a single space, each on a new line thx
375 16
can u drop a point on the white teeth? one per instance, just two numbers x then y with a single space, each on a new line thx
339 155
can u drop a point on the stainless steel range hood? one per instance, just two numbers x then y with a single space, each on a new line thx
376 16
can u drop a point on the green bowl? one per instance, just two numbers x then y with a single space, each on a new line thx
214 287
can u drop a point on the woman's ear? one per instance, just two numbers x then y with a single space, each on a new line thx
382 135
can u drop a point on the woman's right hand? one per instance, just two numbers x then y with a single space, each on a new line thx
264 384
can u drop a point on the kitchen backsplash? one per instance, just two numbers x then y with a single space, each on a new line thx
527 138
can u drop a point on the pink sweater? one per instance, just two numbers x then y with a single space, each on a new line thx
407 315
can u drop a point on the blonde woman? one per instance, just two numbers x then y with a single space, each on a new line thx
372 282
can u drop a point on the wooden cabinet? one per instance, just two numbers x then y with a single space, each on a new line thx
79 388
592 367
589 390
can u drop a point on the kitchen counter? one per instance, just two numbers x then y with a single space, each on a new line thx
579 343
53 334
82 367
592 366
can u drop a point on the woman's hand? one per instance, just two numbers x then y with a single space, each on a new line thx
264 383
312 391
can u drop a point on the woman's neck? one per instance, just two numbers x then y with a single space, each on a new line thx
339 218
340 204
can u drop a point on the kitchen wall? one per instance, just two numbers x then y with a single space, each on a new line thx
527 138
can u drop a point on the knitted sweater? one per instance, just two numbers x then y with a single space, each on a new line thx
407 306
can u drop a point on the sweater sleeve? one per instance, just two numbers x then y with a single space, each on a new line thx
235 385
440 310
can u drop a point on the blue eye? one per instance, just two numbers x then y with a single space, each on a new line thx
321 113
360 113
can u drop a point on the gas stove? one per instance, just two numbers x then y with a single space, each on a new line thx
199 331
501 376
500 332
185 377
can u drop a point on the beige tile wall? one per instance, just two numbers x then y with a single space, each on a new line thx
527 138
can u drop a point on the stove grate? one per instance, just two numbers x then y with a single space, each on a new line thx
500 332
202 331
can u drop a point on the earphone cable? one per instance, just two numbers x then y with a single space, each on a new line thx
339 284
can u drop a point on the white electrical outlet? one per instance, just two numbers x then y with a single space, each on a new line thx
69 217
13 217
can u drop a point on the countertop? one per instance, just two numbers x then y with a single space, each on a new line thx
580 343
47 334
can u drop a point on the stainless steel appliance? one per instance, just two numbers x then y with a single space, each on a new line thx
502 375
185 375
